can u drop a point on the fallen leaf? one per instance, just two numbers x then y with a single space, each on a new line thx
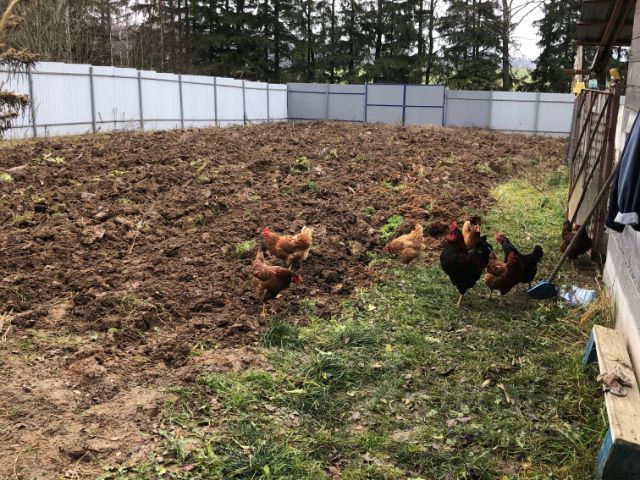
506 395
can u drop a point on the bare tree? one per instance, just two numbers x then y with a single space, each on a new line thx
514 12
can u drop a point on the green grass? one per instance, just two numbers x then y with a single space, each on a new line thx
302 164
243 249
389 229
401 384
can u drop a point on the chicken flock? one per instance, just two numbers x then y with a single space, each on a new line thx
464 258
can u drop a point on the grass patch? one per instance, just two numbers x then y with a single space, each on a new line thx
389 229
310 186
401 384
301 165
6 177
57 160
242 249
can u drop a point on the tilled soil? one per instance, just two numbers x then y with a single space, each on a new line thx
118 259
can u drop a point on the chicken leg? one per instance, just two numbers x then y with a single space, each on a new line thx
460 300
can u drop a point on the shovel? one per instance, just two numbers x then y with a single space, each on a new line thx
546 288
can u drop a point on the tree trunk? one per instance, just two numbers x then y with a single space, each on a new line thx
332 74
432 19
420 39
309 43
506 61
351 33
378 31
276 41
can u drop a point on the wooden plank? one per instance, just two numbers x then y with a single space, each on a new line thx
619 457
623 412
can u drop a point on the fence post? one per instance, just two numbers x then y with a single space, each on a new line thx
140 100
536 116
244 105
181 103
404 102
444 106
490 109
215 101
366 99
326 102
268 105
93 101
33 103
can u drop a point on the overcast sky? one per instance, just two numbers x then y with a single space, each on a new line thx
527 36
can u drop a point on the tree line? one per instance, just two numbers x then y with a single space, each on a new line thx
465 44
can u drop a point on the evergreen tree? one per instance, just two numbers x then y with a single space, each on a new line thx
353 43
558 51
470 30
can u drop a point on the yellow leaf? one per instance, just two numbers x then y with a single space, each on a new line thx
388 348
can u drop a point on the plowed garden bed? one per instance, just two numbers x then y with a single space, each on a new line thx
121 256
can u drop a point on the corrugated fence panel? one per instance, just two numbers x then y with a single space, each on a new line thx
425 96
278 102
556 110
384 103
160 100
18 83
116 98
230 102
513 111
384 114
307 101
256 101
385 95
423 116
198 101
73 99
346 102
467 108
61 110
424 105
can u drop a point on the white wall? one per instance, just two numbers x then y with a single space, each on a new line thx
75 99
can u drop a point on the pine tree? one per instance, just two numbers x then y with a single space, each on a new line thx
558 52
470 55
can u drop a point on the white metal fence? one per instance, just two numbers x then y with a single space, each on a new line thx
73 99
536 113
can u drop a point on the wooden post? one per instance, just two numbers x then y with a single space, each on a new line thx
577 65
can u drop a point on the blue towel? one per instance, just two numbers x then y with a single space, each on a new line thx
624 203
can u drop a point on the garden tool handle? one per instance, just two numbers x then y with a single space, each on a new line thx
583 227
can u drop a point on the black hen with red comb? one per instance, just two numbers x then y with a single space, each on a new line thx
463 267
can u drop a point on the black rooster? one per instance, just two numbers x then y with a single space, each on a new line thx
530 260
463 267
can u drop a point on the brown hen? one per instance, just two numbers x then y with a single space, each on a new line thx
407 247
